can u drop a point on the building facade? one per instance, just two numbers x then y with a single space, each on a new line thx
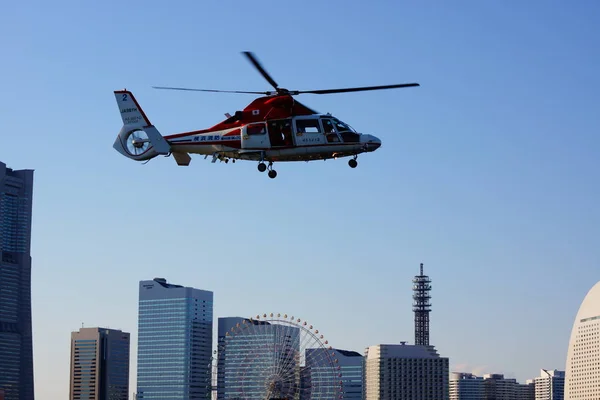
16 342
550 385
583 355
405 372
466 386
320 374
99 364
497 387
175 325
526 391
253 359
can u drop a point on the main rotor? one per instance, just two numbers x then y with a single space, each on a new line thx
279 91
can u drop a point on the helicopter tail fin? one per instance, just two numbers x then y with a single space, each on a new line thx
138 138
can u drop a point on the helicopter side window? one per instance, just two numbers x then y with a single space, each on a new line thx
329 130
328 125
307 126
256 129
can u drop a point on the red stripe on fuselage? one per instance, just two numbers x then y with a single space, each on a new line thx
209 130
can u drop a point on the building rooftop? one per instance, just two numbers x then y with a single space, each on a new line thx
401 351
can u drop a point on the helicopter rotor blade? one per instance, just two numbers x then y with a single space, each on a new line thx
208 90
355 89
252 58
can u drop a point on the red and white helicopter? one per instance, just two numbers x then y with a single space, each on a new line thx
272 128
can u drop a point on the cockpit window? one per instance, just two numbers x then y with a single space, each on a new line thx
342 127
327 125
329 130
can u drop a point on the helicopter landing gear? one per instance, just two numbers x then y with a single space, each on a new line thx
262 167
272 172
353 163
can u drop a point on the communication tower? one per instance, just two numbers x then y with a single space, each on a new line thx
421 307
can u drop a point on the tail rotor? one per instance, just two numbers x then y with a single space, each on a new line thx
138 138
137 142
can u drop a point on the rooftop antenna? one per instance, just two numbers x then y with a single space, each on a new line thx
421 307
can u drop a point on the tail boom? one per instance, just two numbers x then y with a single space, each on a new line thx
136 125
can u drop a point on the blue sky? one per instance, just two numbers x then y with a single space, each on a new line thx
488 172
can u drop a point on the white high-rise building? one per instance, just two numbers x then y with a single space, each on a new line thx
466 386
405 372
583 356
550 385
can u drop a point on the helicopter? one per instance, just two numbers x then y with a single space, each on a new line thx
274 127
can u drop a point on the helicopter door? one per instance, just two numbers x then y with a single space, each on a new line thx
254 136
280 133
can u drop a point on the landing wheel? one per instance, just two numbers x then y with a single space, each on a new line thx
272 174
262 167
352 163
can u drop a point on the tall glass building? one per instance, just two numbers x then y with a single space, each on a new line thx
257 361
99 364
351 365
175 326
16 347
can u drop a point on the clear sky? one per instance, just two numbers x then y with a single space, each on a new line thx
488 173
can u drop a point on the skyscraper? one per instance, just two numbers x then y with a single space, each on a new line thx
16 347
405 372
251 356
583 355
99 364
421 307
175 326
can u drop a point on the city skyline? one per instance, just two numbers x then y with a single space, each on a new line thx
231 323
486 173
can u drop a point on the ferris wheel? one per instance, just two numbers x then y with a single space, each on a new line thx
271 357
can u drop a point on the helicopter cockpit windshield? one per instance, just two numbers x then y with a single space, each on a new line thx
342 126
346 133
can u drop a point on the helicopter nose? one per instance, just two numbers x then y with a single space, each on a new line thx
371 142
